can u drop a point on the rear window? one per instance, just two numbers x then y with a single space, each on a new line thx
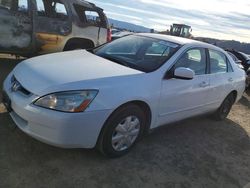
90 17
218 62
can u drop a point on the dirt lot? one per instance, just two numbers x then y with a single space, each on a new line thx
198 152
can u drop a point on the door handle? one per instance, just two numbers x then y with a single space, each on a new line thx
204 84
230 79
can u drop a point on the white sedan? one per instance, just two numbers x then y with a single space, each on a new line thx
109 97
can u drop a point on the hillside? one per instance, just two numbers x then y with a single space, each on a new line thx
128 26
226 44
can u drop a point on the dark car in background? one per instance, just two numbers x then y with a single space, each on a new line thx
244 58
32 27
243 61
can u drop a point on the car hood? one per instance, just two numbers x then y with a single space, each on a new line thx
48 71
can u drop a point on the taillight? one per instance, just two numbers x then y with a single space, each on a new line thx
109 37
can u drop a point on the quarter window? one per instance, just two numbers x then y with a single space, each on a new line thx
194 59
92 17
89 16
218 62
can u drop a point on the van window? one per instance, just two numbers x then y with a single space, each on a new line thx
23 5
90 17
52 9
15 5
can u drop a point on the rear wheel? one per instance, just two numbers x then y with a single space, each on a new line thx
225 108
122 130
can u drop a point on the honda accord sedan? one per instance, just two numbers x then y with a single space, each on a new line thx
110 96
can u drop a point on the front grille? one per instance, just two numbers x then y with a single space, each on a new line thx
16 86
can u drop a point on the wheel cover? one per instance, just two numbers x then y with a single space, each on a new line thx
126 133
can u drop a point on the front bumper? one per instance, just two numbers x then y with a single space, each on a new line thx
66 130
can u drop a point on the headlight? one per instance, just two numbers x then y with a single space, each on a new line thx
71 101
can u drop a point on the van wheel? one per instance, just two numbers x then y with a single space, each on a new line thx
224 109
121 131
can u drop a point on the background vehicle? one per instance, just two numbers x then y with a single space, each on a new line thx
30 27
236 60
113 31
244 58
179 30
156 79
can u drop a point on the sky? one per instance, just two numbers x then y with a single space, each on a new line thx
221 19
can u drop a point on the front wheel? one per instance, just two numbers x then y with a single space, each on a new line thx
225 108
122 130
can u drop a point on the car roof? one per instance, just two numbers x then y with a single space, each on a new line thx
85 3
180 40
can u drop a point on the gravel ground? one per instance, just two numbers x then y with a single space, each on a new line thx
197 152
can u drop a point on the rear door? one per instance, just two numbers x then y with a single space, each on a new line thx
15 26
184 98
221 76
51 23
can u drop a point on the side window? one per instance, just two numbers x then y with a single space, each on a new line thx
23 5
15 5
61 10
52 9
218 62
40 7
194 59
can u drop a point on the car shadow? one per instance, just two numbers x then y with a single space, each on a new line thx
245 101
197 151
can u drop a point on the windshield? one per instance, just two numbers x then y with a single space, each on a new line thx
142 53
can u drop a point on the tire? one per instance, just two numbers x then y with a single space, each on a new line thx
225 108
117 137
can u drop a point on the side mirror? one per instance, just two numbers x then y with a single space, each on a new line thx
184 73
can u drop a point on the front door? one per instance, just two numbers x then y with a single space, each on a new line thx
184 98
15 26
